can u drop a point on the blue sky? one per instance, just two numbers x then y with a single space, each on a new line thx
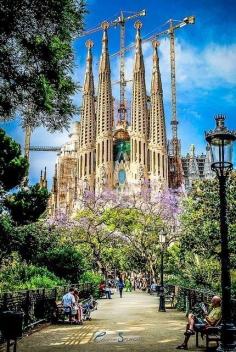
205 67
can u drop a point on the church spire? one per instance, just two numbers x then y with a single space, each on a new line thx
139 112
88 123
104 61
45 182
139 63
54 182
193 170
43 179
104 140
88 81
157 146
208 173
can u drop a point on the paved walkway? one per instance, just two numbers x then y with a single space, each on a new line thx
131 324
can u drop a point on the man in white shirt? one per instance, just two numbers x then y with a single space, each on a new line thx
68 301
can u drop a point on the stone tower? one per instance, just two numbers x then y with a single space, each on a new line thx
64 189
104 136
207 171
157 153
87 141
193 166
43 183
139 124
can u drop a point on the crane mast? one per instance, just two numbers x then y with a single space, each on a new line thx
122 108
174 122
175 163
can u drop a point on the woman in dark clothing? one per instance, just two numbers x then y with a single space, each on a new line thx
120 286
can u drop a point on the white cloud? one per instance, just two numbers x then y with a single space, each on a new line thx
207 68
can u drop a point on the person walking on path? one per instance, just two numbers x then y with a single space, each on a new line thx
121 286
128 285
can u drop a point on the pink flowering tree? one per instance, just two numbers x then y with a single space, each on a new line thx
141 218
90 224
112 220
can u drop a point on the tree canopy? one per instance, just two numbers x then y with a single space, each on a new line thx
27 204
13 166
200 219
121 231
36 60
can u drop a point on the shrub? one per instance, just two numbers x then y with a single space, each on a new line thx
17 275
93 278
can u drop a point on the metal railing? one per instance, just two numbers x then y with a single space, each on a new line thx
186 298
39 305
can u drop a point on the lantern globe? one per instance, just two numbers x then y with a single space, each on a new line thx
221 141
162 237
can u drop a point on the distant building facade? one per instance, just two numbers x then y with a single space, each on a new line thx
196 167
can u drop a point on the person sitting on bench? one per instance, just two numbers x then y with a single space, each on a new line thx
108 290
68 302
101 288
77 310
207 319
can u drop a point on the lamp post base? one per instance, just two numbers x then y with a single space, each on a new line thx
228 338
162 307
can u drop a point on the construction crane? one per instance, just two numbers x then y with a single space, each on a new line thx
175 169
45 149
120 21
170 32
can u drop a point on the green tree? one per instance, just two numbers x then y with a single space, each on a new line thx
200 219
13 166
6 235
33 240
27 204
18 275
65 261
37 59
200 243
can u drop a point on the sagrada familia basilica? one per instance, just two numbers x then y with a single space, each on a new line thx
103 155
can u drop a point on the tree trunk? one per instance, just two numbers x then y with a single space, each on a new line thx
97 260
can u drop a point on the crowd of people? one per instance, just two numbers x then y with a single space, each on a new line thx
129 284
105 287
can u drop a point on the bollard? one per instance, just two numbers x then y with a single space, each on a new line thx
11 326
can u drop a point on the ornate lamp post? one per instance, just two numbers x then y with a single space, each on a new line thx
221 145
162 240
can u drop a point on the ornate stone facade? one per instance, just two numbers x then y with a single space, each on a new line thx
101 154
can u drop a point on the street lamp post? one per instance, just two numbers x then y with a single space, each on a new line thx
162 240
221 145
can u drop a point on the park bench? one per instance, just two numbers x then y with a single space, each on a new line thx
63 316
211 333
89 305
170 298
